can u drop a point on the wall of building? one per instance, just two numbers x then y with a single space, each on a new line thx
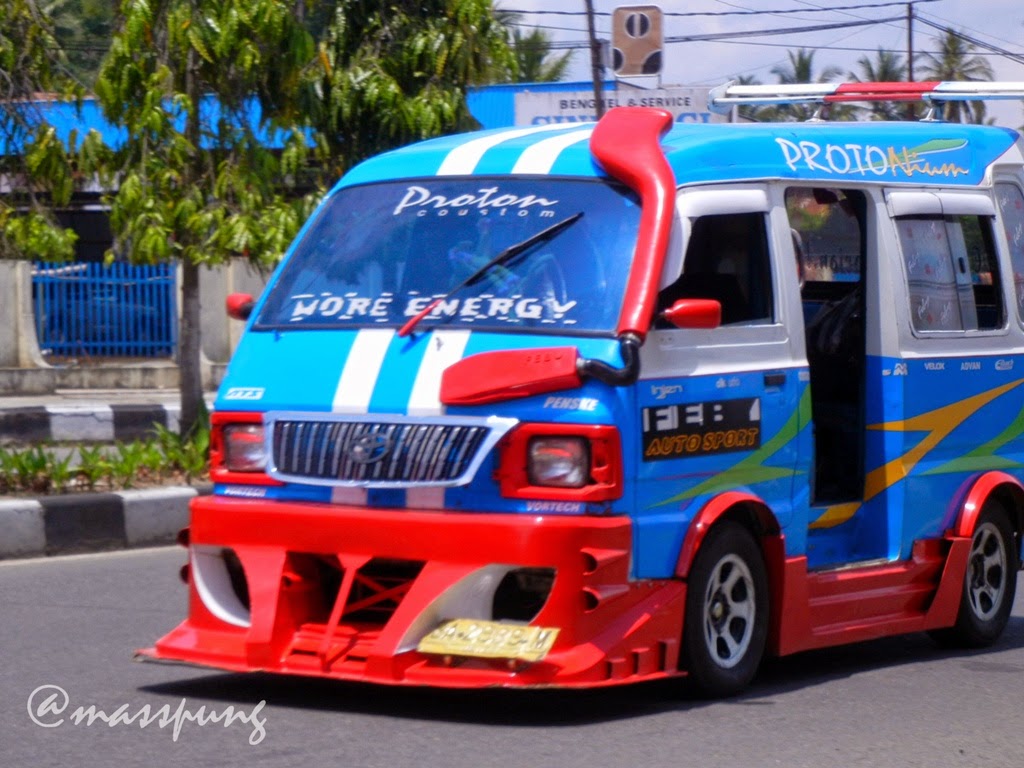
24 371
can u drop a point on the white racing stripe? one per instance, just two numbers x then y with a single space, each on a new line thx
355 388
539 157
359 376
463 159
446 347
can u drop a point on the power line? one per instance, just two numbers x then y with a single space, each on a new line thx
749 33
689 14
1019 58
855 49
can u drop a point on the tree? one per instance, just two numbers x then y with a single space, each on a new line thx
886 67
83 29
747 111
199 86
800 69
535 63
38 169
956 60
395 74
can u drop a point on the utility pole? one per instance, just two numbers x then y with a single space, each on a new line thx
595 60
910 42
911 111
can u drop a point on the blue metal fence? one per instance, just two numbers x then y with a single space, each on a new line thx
94 310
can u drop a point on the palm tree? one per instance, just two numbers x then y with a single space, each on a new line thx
956 60
537 64
799 70
749 112
886 67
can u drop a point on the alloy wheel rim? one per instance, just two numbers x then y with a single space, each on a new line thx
986 572
729 611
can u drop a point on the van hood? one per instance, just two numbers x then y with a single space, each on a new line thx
367 371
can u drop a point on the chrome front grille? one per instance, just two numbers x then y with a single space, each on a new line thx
379 451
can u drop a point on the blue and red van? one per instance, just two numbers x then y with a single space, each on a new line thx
594 404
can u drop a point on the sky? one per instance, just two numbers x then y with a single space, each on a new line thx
996 22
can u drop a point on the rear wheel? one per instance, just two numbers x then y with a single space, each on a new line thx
989 584
726 611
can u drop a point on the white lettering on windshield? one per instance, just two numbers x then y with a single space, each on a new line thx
350 306
483 200
344 307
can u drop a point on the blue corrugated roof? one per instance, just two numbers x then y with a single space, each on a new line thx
69 119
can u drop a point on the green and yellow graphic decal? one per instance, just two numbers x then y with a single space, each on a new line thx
753 469
936 425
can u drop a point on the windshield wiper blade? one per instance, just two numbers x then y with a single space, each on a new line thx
503 257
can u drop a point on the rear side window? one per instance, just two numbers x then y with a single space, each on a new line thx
1011 210
952 273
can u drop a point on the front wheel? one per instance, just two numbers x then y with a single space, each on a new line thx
726 611
989 584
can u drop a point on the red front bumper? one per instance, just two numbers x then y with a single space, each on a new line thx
297 621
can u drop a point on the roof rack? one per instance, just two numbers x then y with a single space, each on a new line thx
724 97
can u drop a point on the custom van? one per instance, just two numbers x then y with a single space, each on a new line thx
595 404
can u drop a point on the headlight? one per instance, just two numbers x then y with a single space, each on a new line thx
244 448
559 462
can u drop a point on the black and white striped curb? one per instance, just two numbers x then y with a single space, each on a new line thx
101 423
92 522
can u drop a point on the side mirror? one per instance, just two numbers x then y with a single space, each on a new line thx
239 305
694 313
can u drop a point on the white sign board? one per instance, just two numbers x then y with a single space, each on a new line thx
687 104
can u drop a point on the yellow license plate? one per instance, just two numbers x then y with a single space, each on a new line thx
489 639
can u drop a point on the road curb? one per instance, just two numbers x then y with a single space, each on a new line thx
90 422
93 522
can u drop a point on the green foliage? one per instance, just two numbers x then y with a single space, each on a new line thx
886 67
800 69
28 469
31 63
389 75
197 180
957 60
82 28
93 466
535 61
126 462
188 455
59 472
33 233
165 458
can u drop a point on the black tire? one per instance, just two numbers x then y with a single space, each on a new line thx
726 622
989 584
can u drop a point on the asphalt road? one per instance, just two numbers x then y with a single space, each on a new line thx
70 624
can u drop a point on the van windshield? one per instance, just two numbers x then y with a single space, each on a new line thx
377 255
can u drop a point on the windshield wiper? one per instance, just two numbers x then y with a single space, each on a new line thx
503 257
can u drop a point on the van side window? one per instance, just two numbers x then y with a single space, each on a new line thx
1011 209
727 260
828 227
952 273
